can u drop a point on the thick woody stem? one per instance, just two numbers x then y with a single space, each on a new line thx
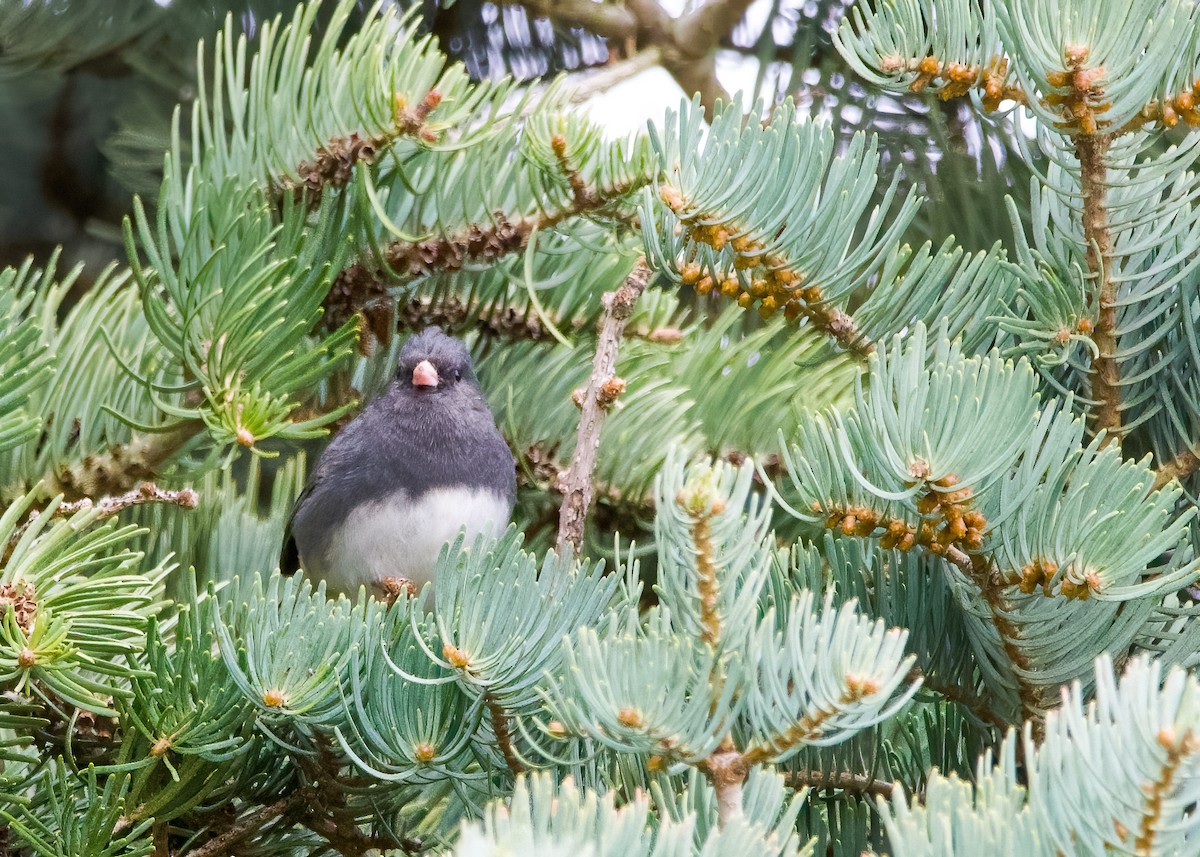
726 769
601 391
1180 467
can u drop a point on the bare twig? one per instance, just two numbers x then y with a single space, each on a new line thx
499 721
577 482
844 780
147 492
248 825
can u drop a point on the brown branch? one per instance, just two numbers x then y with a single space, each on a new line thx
577 483
844 780
701 30
967 699
108 507
773 283
604 19
1105 374
249 824
121 467
499 721
1180 467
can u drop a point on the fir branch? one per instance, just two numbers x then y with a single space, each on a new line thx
954 79
1105 375
500 728
334 163
325 812
707 579
601 392
250 824
1178 748
960 696
1080 103
991 588
805 730
108 507
773 283
1181 106
584 198
122 466
943 541
360 286
844 780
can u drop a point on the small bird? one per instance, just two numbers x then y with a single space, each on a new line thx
421 462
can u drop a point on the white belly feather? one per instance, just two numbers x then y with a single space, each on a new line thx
395 537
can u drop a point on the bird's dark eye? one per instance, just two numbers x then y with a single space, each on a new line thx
457 374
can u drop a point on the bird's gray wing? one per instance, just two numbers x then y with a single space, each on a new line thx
289 556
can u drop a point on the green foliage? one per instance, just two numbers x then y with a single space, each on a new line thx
1076 798
988 464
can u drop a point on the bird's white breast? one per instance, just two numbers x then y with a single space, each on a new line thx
399 537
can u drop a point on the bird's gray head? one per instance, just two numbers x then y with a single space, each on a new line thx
432 361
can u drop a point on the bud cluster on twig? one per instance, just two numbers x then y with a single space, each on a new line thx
772 283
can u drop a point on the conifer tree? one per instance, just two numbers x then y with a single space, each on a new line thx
825 543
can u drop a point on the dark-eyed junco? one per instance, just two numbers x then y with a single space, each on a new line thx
420 462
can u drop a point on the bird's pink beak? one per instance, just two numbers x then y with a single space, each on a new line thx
424 375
